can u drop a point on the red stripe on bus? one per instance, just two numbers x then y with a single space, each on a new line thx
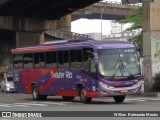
33 79
33 49
27 75
92 94
46 86
67 93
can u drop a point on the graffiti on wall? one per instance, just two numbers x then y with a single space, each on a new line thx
155 56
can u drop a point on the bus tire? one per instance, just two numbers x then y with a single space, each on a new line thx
119 99
67 98
83 96
36 95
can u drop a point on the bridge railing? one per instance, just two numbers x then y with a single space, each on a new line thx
66 35
116 4
89 10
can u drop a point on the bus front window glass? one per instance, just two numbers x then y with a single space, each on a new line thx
130 61
108 60
118 63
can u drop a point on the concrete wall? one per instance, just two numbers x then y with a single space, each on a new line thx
151 44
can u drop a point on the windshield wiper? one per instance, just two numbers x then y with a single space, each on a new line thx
121 67
117 67
124 66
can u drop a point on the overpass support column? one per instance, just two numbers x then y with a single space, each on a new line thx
151 42
30 31
26 39
66 23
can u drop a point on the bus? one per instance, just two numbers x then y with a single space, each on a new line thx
86 68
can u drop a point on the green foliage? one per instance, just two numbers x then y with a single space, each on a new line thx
138 42
136 19
156 85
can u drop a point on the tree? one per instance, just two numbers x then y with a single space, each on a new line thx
136 19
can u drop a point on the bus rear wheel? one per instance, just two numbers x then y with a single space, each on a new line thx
36 95
119 99
67 98
83 96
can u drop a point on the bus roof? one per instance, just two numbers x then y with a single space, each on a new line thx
53 45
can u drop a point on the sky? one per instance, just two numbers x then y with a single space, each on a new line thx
83 26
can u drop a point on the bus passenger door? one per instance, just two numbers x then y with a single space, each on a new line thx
89 64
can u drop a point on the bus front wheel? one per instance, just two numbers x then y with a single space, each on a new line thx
83 96
119 99
36 95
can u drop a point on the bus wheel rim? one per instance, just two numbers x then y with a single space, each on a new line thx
35 94
83 94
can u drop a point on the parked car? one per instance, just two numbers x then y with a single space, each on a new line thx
7 84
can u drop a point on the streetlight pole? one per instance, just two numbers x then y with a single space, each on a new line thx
102 10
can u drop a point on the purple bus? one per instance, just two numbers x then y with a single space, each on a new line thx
84 68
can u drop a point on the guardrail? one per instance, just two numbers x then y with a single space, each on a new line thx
116 4
66 35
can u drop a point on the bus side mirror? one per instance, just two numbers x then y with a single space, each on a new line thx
138 55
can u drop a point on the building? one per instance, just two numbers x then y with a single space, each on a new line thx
118 33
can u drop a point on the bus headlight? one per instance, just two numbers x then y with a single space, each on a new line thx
7 85
105 86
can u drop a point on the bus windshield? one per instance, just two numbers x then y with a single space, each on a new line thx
118 63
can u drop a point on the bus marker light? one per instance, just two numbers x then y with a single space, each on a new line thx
124 91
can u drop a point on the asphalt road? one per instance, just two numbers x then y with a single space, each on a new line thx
24 102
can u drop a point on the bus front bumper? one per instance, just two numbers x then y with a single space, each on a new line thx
106 90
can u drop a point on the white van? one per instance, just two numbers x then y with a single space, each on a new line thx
7 84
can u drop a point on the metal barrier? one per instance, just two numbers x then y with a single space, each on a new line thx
116 4
66 35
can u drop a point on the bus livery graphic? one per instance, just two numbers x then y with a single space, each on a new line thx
85 68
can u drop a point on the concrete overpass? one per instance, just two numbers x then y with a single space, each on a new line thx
24 22
44 9
112 11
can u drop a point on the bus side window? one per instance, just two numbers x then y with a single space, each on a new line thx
18 61
51 59
15 61
25 60
92 64
60 59
79 59
73 58
39 61
66 59
88 60
63 59
76 59
28 60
